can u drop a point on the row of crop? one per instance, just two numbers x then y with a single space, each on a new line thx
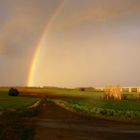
97 111
103 111
109 104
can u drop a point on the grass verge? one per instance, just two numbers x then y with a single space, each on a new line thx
19 124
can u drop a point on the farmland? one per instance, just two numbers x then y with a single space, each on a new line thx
13 110
100 108
9 102
56 103
89 101
93 104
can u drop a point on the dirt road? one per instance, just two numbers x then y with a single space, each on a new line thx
56 123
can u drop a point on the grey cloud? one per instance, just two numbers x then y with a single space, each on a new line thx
25 24
96 11
22 23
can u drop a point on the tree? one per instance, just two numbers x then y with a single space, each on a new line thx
13 92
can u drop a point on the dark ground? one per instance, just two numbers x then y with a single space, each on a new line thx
56 123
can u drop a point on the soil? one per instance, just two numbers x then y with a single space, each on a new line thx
57 123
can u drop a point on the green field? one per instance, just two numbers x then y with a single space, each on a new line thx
89 101
94 105
10 102
124 108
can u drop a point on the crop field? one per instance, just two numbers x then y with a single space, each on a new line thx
128 109
9 102
93 104
89 101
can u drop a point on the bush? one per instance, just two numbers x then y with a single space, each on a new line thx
13 92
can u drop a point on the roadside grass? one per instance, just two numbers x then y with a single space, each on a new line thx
18 125
17 120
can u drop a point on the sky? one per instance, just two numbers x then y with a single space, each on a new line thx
87 43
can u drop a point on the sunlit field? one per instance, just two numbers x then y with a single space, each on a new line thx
124 109
13 109
9 102
90 101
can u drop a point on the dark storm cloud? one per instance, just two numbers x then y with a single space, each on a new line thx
22 23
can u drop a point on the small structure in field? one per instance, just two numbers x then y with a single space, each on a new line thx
113 92
13 92
138 89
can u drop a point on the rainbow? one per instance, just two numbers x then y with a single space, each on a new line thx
40 45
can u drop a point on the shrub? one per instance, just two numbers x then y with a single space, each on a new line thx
13 92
